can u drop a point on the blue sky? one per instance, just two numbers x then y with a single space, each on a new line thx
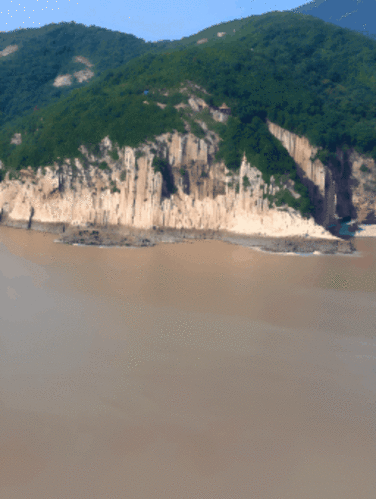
151 20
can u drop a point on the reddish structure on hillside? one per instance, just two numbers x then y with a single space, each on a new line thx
224 109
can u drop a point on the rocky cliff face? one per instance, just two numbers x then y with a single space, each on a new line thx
345 190
127 191
206 196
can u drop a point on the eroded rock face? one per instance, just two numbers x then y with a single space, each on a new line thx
204 198
83 75
356 191
85 61
336 191
129 193
314 175
8 50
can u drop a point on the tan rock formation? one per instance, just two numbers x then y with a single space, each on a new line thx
85 61
344 191
361 184
8 50
62 80
16 139
83 75
221 114
193 87
204 198
178 106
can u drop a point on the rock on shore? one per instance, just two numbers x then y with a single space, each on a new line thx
131 237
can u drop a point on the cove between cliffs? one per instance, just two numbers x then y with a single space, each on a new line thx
120 236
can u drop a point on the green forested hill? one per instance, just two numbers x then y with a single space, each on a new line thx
44 53
308 76
27 75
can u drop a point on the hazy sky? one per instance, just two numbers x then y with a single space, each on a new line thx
151 20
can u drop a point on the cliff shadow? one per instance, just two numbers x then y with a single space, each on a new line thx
336 206
340 171
168 185
162 165
320 212
186 181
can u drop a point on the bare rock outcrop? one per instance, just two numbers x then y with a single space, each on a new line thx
16 139
347 189
83 75
129 193
206 195
8 50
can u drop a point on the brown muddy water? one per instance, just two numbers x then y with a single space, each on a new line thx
193 370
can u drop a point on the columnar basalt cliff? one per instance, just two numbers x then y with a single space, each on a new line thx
205 198
314 174
205 195
347 189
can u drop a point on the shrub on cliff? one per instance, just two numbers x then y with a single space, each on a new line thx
114 155
246 182
364 169
103 166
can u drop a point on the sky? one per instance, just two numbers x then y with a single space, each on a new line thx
151 20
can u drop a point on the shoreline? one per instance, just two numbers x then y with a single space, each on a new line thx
131 237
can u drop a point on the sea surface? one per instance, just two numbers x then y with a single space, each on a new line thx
192 370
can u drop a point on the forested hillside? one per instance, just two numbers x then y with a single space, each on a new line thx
308 76
28 73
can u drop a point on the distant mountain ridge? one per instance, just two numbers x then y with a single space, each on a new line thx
357 15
